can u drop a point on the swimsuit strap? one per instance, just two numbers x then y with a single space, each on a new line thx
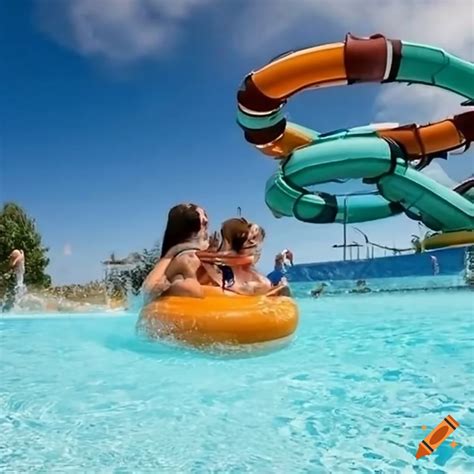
228 279
181 252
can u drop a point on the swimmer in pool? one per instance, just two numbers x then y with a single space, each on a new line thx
319 290
17 265
176 273
361 287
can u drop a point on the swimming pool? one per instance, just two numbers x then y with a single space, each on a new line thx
350 394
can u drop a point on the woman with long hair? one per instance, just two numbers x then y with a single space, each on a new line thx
175 274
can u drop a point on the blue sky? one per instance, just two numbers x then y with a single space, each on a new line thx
114 111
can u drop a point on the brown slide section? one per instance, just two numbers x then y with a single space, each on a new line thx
365 58
465 124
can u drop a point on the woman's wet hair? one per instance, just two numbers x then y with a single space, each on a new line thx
235 231
183 223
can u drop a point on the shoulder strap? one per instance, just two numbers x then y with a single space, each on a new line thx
181 252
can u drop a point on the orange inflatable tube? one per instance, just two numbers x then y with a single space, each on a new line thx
220 318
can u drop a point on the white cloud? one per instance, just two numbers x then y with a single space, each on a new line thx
117 30
448 24
67 251
129 30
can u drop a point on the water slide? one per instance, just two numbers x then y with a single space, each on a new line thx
389 156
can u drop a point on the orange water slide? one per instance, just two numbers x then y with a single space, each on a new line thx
372 59
421 141
356 60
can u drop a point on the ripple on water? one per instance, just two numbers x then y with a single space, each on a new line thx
350 394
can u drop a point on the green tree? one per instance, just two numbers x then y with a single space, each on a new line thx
18 231
133 278
149 258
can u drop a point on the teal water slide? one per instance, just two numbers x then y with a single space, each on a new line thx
384 157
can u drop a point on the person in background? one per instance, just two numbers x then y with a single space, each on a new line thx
361 287
278 274
287 258
17 265
319 290
434 264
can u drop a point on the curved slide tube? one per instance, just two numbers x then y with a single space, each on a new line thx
388 156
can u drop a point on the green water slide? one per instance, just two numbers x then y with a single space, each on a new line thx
375 156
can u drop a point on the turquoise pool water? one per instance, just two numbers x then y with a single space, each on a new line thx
350 394
387 285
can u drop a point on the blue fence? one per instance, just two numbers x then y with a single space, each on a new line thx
449 262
